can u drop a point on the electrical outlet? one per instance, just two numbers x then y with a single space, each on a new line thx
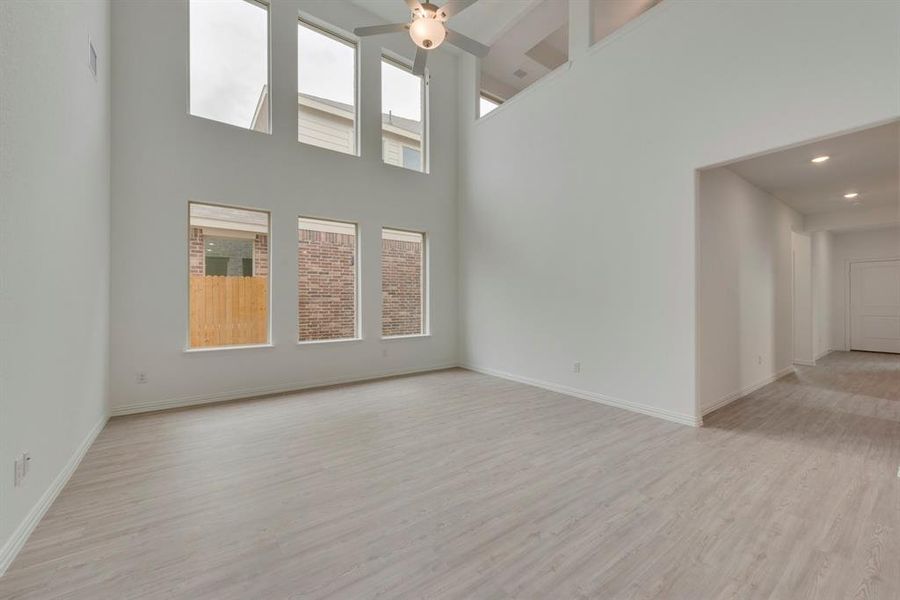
759 360
576 368
141 377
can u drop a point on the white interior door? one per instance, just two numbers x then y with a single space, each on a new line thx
875 306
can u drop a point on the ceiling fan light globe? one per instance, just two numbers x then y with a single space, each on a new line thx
427 33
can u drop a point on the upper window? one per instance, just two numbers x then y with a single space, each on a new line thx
228 258
403 117
326 89
606 16
229 62
327 280
536 44
486 104
402 283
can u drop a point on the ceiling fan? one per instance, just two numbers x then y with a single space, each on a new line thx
428 30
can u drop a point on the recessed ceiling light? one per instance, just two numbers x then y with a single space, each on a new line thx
820 159
851 195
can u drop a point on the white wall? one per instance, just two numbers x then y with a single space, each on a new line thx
822 267
804 328
162 158
605 150
54 248
744 256
854 218
850 246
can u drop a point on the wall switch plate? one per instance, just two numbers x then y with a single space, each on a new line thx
759 360
576 368
141 377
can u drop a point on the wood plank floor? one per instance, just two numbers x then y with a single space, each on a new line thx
459 485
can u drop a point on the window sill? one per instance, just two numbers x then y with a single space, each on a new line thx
407 169
221 348
325 342
405 337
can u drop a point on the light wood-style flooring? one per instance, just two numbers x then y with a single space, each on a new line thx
459 485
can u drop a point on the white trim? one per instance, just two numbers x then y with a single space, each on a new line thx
824 353
202 349
637 407
328 341
408 336
804 363
15 542
247 393
728 399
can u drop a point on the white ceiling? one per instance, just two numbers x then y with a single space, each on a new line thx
867 162
530 36
483 21
509 27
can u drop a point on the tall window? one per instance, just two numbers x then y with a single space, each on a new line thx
229 62
402 283
487 103
327 280
228 258
326 94
403 126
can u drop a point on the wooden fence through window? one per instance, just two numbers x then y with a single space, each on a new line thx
228 311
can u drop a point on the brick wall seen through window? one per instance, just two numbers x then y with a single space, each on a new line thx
326 262
402 283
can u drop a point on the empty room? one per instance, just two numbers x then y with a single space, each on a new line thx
473 299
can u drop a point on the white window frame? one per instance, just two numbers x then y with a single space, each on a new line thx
345 37
264 4
269 343
357 295
424 289
402 63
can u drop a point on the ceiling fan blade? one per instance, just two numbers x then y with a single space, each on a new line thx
454 7
413 5
419 65
468 44
380 29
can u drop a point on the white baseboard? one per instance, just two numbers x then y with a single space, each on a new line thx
728 399
14 544
643 409
824 354
804 363
185 401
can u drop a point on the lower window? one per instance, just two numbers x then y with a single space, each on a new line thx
402 283
327 280
228 257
